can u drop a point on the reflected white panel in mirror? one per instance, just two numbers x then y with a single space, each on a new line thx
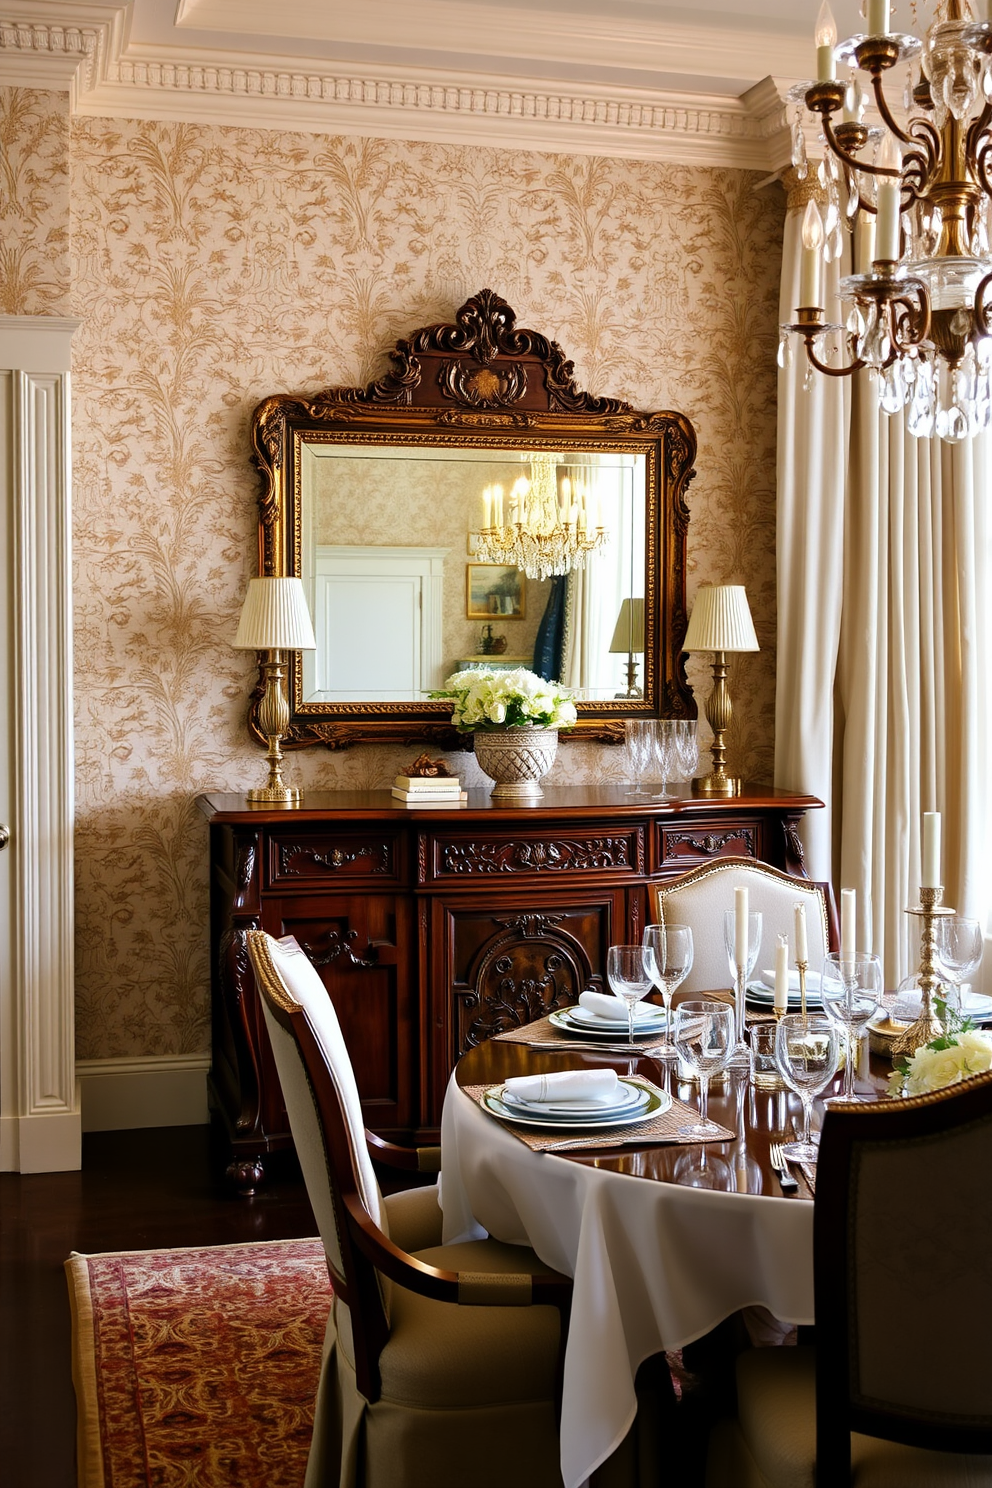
364 498
377 620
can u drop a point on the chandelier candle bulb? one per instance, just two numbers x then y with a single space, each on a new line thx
878 17
826 39
931 850
848 921
854 103
811 265
888 202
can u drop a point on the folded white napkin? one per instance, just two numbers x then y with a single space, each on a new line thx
605 1005
587 1085
812 981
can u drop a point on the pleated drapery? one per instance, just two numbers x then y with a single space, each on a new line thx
883 668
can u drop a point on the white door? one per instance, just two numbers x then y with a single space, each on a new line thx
391 600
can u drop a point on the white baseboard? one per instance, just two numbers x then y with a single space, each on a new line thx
158 1090
40 1143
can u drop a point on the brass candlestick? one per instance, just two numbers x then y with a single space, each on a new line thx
802 967
927 1026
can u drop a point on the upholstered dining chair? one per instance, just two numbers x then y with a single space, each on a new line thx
441 1362
897 1392
699 897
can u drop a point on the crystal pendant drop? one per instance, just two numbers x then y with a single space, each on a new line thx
855 322
784 351
799 145
808 379
892 392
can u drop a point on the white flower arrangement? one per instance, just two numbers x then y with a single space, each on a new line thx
484 698
960 1053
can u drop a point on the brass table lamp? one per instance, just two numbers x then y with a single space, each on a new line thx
274 620
628 640
720 622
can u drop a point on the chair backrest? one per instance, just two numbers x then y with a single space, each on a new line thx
903 1282
699 897
318 1085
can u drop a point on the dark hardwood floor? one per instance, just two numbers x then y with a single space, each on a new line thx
138 1190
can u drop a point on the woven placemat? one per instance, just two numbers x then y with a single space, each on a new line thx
661 1128
543 1033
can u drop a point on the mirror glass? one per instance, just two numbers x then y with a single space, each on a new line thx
401 597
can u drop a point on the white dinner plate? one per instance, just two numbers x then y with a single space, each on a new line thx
565 1021
656 1102
628 1099
760 996
977 1007
649 1016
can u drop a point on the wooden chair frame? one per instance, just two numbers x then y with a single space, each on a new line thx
365 1250
844 1129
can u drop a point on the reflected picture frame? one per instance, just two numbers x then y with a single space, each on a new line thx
493 591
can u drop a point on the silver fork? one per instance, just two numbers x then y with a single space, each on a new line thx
787 1183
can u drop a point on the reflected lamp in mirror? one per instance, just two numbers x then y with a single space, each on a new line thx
274 620
720 622
628 639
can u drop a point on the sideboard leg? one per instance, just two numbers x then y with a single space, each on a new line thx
247 1175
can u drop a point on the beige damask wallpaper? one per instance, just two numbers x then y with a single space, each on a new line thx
212 266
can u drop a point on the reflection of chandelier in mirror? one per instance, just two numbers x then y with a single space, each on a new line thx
921 319
549 524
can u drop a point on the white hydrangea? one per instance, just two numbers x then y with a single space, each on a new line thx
935 1068
484 698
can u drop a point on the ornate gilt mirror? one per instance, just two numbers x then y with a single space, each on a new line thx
474 507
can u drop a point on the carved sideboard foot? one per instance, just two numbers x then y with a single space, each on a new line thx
247 1175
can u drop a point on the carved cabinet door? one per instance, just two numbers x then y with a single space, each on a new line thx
498 963
362 945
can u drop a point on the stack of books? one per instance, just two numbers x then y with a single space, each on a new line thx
429 790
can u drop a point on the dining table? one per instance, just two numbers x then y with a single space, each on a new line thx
664 1237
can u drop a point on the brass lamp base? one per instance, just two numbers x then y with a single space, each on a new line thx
717 784
275 795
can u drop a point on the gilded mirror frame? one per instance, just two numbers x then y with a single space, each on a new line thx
480 381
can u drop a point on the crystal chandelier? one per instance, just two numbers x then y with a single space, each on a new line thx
921 319
547 526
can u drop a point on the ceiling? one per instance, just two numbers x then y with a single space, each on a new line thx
702 83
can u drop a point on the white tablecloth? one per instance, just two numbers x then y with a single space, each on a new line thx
655 1264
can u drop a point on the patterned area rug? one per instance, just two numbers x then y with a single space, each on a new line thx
197 1368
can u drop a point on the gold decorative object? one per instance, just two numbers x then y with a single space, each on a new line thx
920 317
927 1026
802 967
425 768
274 620
720 622
549 524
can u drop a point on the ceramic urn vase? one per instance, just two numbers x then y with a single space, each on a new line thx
517 759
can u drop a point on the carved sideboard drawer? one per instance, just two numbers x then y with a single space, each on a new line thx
559 851
309 858
697 844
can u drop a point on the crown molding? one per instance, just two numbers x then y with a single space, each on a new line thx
108 75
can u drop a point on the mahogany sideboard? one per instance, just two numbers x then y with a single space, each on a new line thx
433 928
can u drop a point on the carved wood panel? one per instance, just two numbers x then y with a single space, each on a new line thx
300 856
696 845
362 945
549 853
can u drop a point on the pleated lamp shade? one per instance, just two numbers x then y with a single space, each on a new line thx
274 617
720 620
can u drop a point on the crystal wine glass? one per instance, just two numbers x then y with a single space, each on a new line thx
629 977
958 949
851 990
638 739
739 974
668 955
664 755
806 1051
704 1038
686 748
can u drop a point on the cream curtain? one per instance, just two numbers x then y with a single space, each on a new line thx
883 692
